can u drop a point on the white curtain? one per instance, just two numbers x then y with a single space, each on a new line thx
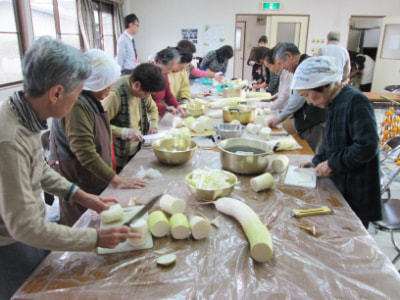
118 21
87 23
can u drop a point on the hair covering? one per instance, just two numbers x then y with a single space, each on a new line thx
315 72
104 70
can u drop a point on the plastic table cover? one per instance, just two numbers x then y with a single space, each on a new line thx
342 261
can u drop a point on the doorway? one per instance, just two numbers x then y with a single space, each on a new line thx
278 29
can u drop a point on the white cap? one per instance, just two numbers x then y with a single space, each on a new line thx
315 72
104 70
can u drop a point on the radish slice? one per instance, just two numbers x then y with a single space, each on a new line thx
166 260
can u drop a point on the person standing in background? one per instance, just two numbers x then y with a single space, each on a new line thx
25 235
365 66
256 73
217 60
80 142
127 57
341 55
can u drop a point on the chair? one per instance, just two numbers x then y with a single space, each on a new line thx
390 207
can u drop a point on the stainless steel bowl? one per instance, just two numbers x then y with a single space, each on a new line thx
194 110
174 151
244 156
212 194
228 130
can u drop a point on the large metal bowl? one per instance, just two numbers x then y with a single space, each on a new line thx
211 195
174 151
194 110
244 156
243 113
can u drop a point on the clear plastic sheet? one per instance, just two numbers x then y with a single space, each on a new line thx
342 261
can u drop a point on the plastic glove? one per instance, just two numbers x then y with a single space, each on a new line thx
131 134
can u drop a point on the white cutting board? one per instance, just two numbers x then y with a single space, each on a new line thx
125 246
300 178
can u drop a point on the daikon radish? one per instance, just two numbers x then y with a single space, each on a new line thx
158 223
256 232
172 205
265 132
235 122
139 227
285 143
207 121
197 126
267 111
184 133
200 227
280 163
259 120
189 120
262 182
177 122
216 114
166 260
252 129
215 222
113 214
179 226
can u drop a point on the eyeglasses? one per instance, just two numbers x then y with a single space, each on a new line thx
137 24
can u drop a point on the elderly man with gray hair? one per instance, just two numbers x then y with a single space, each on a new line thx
339 53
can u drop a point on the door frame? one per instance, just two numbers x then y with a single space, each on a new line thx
239 54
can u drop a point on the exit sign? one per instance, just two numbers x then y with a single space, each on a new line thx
271 5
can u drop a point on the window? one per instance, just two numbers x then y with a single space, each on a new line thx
10 56
104 27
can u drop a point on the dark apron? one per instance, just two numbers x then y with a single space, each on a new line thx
76 173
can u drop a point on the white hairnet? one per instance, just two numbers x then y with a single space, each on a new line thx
315 72
104 70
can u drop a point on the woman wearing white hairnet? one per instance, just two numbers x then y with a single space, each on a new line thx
80 143
349 153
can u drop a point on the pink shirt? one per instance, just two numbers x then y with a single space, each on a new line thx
164 98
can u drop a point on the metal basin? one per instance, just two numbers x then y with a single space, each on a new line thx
243 113
194 110
212 194
229 92
244 156
174 151
228 130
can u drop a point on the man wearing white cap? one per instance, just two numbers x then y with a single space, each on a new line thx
80 142
349 153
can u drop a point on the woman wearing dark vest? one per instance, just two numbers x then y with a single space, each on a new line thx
80 142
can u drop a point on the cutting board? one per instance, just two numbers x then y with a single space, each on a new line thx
129 212
300 178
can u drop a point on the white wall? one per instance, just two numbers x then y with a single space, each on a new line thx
161 21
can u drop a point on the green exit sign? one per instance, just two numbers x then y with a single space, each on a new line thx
271 5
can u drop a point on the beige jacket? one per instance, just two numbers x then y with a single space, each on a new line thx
180 85
23 175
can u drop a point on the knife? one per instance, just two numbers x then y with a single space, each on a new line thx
145 209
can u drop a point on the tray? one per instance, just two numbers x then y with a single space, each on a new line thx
125 246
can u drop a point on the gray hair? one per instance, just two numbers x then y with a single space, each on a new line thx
49 62
281 48
167 56
334 36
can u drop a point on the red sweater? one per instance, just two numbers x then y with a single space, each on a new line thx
164 98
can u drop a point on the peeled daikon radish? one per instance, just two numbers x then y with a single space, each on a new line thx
166 260
235 122
158 223
177 122
265 132
252 129
216 114
262 182
184 132
267 111
285 143
197 126
256 232
280 163
207 121
172 205
189 120
179 226
259 120
113 214
140 227
200 227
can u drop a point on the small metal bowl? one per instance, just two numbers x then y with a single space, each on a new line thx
174 151
211 195
194 110
228 130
